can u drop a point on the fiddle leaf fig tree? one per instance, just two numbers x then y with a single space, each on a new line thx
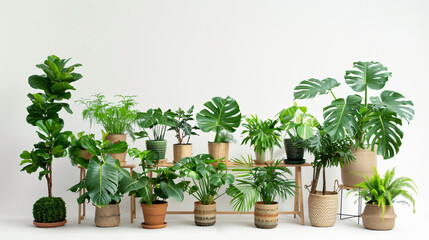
368 121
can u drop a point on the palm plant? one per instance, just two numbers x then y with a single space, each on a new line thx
262 134
157 120
181 125
384 191
372 121
254 183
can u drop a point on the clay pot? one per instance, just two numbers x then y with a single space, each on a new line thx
323 209
114 138
364 163
266 215
108 216
181 151
154 215
265 157
204 215
294 154
158 146
85 154
372 217
49 225
219 151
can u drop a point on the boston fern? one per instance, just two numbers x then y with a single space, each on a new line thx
262 135
371 121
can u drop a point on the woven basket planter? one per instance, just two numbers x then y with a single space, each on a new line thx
364 163
266 215
219 151
181 151
372 217
323 209
114 138
108 216
205 215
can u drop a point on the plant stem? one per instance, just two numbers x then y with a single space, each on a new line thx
324 182
333 94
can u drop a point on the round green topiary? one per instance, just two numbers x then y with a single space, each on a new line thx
49 209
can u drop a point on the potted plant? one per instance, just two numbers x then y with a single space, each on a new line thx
117 119
55 85
263 136
323 205
373 123
76 150
184 130
220 114
380 194
102 180
158 121
260 183
205 184
154 185
299 126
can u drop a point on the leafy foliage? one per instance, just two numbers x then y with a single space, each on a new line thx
49 210
262 135
297 122
182 127
253 183
76 148
156 120
308 89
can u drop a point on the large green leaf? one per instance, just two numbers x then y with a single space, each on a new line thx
365 75
308 89
39 82
341 117
118 147
394 102
172 191
128 184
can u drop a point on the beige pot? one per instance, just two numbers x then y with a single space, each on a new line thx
218 151
372 217
85 154
265 157
114 138
108 216
364 163
181 151
266 215
323 209
204 215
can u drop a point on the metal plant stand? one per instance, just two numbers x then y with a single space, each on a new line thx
344 216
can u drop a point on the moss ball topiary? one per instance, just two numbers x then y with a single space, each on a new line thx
49 209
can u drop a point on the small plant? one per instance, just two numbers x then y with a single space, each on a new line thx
384 191
76 148
206 179
254 183
262 135
157 120
182 127
114 118
49 210
297 123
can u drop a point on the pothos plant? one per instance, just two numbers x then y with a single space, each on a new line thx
55 85
297 122
369 121
182 127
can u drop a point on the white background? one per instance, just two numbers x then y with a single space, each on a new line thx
181 53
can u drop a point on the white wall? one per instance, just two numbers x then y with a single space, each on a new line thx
181 53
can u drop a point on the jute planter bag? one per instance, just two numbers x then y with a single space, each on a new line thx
323 209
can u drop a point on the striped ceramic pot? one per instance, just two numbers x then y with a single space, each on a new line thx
205 215
266 215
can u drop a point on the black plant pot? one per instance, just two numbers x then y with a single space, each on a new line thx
294 154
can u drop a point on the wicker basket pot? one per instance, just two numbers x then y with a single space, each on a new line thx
372 217
219 151
108 216
266 215
114 138
204 215
365 160
181 151
323 209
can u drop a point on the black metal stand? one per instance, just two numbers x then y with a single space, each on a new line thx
344 216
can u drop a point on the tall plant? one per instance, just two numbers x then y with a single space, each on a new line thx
55 85
262 135
157 120
372 121
182 127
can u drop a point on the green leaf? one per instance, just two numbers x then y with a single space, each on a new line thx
39 98
308 89
61 87
25 155
118 147
172 191
305 131
366 75
194 175
39 82
42 127
90 145
394 102
129 184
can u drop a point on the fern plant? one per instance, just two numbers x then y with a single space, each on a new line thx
262 134
384 191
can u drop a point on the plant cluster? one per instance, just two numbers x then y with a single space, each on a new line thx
157 120
182 127
49 210
76 147
262 134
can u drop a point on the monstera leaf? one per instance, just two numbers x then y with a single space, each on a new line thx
394 102
382 130
310 88
172 191
220 114
366 75
341 117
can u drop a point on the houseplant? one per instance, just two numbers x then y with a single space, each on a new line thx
158 121
76 150
299 126
380 194
153 190
116 118
263 136
220 114
43 112
102 180
372 122
323 205
260 183
184 130
205 184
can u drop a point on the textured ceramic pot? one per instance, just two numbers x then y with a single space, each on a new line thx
323 209
154 214
49 225
265 157
115 138
204 215
266 215
372 217
158 146
108 216
294 154
181 151
219 151
364 163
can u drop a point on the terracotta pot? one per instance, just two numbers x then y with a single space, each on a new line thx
49 225
372 217
365 161
265 157
181 151
323 209
108 216
266 215
154 214
158 146
219 151
114 138
85 154
204 215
